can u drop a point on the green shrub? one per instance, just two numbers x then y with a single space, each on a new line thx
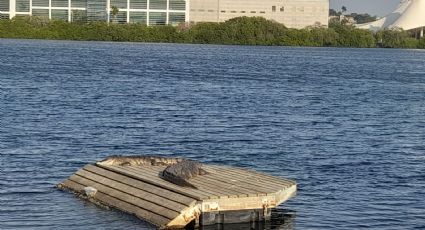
236 31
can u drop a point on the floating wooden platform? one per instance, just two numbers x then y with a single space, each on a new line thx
224 195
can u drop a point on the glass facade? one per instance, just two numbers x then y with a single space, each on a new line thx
157 18
4 5
40 3
4 16
150 12
138 17
78 3
59 3
42 13
79 16
177 5
158 4
96 10
139 4
60 15
22 5
119 3
177 18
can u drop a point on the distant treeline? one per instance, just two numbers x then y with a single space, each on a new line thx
237 31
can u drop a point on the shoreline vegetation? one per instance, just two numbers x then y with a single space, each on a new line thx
236 31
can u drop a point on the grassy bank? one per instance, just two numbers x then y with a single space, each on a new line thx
237 31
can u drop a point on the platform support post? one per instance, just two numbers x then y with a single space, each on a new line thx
267 214
198 221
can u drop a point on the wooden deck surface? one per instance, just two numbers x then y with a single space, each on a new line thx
138 190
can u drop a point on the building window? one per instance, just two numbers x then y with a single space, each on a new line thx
138 17
59 3
157 18
76 15
120 17
60 15
4 16
42 13
4 6
273 8
119 3
42 3
253 12
177 18
138 4
177 5
158 5
78 3
282 9
23 5
96 11
233 11
262 12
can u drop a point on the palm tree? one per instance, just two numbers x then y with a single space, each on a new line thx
344 9
114 12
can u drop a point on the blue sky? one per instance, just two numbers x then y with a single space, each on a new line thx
374 7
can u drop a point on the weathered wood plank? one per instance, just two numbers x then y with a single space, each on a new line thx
149 207
216 181
146 175
154 176
251 176
221 181
160 183
160 201
242 185
248 181
165 193
202 184
261 175
140 191
221 184
121 205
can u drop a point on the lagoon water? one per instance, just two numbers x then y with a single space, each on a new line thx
347 124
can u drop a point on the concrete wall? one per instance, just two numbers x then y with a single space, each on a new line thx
292 13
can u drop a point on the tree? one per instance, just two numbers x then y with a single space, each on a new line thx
114 12
363 18
343 9
333 12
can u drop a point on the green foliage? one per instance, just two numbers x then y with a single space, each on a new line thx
363 18
349 36
237 31
421 43
333 12
396 38
359 18
114 13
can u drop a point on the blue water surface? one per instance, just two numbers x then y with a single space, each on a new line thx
347 124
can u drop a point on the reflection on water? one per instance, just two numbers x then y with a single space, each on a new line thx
282 219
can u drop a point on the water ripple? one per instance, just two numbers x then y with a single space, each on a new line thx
347 124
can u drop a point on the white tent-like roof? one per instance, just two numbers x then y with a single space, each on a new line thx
409 15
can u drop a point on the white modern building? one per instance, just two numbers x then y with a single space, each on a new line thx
292 13
409 15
